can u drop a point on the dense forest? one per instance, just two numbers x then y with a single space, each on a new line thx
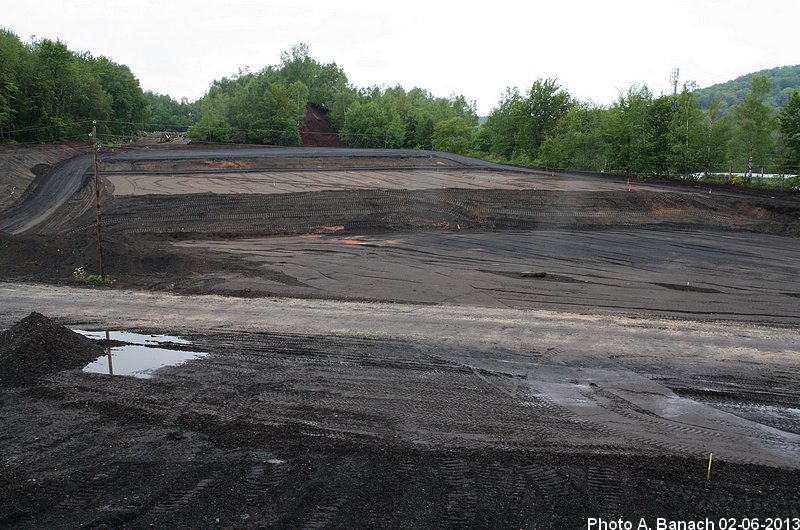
268 107
783 82
49 93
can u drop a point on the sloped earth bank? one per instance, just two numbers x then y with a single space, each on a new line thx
529 349
21 165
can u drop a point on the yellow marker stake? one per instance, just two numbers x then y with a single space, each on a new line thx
710 456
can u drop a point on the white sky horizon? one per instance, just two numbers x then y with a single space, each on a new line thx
595 50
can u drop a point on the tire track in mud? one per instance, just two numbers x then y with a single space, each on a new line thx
179 498
336 384
352 388
676 437
394 390
462 495
93 489
604 485
322 515
262 478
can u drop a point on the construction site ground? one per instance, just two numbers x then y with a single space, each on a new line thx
403 339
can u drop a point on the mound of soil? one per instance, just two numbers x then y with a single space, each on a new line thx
38 345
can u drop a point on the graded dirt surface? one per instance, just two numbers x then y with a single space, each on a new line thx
406 339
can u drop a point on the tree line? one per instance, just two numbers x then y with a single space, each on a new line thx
269 106
640 134
784 80
48 93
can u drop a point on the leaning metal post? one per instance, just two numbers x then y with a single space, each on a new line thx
97 204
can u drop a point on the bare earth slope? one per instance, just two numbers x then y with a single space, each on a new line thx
20 165
406 339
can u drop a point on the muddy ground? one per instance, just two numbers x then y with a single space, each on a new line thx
405 339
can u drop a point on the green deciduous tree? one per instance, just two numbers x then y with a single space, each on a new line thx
718 137
12 53
453 135
687 136
789 120
372 124
49 93
630 132
754 127
502 125
323 81
517 128
127 102
545 104
168 113
212 124
578 140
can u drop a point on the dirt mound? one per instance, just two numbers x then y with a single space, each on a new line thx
38 345
318 131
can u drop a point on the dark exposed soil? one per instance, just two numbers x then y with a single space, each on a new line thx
548 353
317 130
37 345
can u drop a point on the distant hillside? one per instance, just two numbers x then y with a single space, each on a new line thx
784 80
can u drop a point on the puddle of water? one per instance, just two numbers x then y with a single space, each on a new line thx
140 358
133 338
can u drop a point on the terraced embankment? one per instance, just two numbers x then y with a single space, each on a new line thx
529 349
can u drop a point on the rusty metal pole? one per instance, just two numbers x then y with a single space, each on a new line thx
97 204
108 353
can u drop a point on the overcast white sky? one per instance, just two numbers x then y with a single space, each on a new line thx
594 48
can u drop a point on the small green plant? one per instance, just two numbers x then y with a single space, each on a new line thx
80 274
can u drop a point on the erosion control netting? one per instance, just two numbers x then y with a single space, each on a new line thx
37 345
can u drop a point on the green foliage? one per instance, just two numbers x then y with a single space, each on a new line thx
642 135
715 146
789 120
638 135
269 106
578 141
453 135
754 128
12 55
128 103
519 126
49 93
167 113
80 275
630 134
212 124
372 124
783 81
687 136
324 81
392 117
